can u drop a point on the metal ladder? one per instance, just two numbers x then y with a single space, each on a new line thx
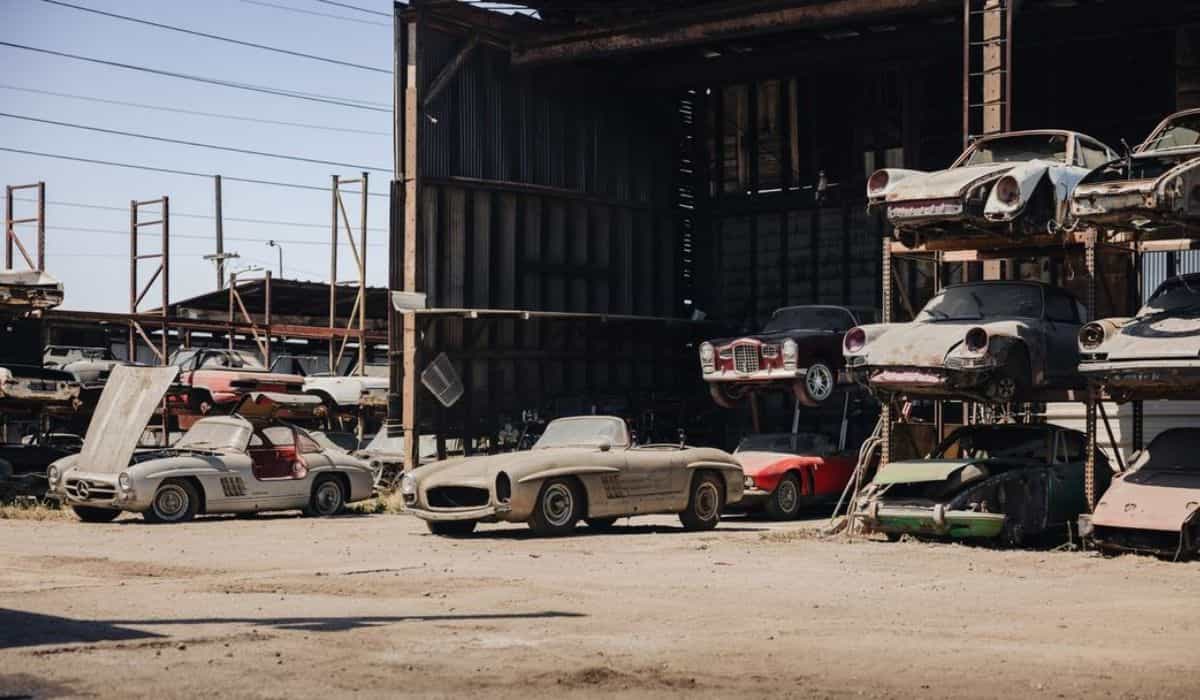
987 58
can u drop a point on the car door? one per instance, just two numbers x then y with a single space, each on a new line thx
654 479
273 464
1061 328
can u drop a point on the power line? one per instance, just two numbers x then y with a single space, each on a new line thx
205 35
196 144
193 236
285 8
172 171
294 94
353 7
178 110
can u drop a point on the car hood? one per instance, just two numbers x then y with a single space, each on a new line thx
943 184
1149 500
920 471
128 401
1161 335
920 344
482 470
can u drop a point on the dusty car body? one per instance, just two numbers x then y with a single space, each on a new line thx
29 291
1011 482
988 341
90 366
1154 507
1156 186
788 472
581 468
1155 354
799 349
248 461
215 380
25 385
1015 183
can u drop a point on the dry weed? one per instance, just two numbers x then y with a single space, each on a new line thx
384 503
36 510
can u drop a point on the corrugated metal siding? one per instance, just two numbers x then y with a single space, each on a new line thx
1158 416
1154 268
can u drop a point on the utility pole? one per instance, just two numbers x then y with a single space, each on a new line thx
220 255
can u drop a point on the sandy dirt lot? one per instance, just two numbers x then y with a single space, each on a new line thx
374 606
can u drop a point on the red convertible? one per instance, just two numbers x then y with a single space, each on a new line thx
788 472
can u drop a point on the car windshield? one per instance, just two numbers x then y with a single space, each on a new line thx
1178 133
810 317
1007 443
1173 450
1018 149
583 432
303 365
787 443
1178 294
983 301
215 435
237 359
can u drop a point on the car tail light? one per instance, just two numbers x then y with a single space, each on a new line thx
877 181
976 340
1007 190
855 340
1091 336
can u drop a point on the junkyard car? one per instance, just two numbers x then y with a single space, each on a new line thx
344 391
26 386
29 291
217 378
581 468
786 472
1157 185
248 461
23 464
988 341
1154 507
1012 482
799 349
1156 354
1018 183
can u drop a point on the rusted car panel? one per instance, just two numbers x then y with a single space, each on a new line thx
29 290
216 379
1015 183
991 341
1156 186
582 468
1155 506
1155 354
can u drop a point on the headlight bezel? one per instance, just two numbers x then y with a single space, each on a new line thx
408 486
789 350
125 481
855 340
1008 191
1092 336
53 474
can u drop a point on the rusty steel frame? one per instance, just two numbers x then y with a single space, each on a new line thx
261 339
11 239
356 321
137 292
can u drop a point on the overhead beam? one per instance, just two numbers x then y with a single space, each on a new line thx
449 70
725 22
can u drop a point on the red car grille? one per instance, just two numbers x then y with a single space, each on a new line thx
745 358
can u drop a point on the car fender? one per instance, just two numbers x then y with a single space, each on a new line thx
565 471
894 175
732 473
1028 177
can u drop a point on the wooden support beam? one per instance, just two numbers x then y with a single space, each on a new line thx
449 71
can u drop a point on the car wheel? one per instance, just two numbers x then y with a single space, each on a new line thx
1013 381
328 497
89 514
816 386
705 501
723 397
601 524
175 501
784 503
559 507
451 528
893 536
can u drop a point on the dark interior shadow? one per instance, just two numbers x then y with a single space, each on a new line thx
226 517
25 629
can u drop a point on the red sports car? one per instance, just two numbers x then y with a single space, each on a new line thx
786 473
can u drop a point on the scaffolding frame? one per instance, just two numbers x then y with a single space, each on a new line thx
137 291
260 335
37 261
356 321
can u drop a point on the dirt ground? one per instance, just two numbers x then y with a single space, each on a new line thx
374 606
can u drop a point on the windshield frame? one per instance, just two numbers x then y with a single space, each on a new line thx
956 436
923 316
1068 158
832 442
1144 457
1163 127
806 308
620 433
1169 287
238 431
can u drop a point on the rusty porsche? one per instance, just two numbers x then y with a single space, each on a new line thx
1155 354
1015 183
986 341
1156 185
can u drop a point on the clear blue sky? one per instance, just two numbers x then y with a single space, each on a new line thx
94 266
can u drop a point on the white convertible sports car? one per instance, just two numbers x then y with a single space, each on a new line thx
241 463
1016 183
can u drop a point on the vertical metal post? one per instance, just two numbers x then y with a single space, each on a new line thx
333 247
1093 392
267 316
133 285
41 227
885 411
166 271
8 227
966 73
411 125
362 281
220 225
232 291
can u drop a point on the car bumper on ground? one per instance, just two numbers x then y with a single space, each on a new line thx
931 521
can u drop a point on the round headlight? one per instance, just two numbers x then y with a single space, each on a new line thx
855 339
52 474
976 340
790 349
1091 336
877 181
706 352
1007 190
125 482
408 485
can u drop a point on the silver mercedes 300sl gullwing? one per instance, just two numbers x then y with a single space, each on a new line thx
246 462
583 468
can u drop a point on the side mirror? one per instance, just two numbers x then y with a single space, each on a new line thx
605 446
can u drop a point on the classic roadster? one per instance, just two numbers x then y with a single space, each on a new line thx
582 468
216 379
1156 186
799 349
1155 354
245 462
1018 182
1154 507
785 472
985 341
1011 482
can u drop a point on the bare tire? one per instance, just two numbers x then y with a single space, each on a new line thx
723 397
602 524
559 506
175 501
89 514
451 528
705 501
816 386
328 497
784 503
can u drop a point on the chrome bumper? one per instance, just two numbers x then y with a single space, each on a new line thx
487 512
762 375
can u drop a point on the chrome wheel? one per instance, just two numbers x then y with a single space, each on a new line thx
328 497
558 504
819 382
171 503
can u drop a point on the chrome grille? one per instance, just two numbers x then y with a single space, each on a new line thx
745 358
94 491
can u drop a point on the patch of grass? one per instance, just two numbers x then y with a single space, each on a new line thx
385 503
33 510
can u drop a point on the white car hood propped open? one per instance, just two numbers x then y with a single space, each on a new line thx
126 405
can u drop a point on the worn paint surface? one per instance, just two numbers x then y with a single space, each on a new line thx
126 405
